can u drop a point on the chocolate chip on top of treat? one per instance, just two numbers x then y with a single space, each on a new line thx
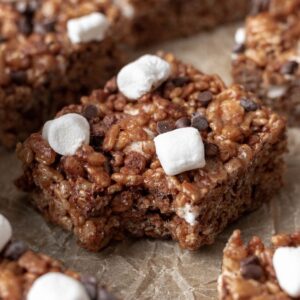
18 77
289 67
259 6
249 105
2 39
205 97
239 48
25 25
183 122
251 268
199 122
211 150
165 126
181 81
15 250
42 28
90 112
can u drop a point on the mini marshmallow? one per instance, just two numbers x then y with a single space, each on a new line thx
276 91
189 214
56 286
92 27
286 261
180 150
240 36
143 75
5 232
67 133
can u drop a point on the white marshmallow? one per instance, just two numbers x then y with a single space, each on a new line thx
126 8
276 91
141 76
286 261
240 36
92 27
67 133
5 232
56 286
180 150
188 213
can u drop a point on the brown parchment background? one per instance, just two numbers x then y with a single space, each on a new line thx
148 269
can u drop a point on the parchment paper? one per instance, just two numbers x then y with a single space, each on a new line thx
148 269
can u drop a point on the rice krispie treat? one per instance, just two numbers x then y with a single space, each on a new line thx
51 53
258 272
267 56
156 20
163 151
25 274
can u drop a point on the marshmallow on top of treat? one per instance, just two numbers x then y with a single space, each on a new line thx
189 214
88 28
55 286
67 133
286 261
180 150
5 232
143 75
240 36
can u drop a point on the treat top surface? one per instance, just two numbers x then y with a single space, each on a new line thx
271 41
231 124
256 270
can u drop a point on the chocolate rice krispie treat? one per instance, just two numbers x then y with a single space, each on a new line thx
156 20
25 274
267 56
51 53
163 151
258 272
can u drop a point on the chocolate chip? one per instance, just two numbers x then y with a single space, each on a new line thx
164 126
15 250
90 112
289 68
90 284
211 150
205 97
199 122
252 272
42 28
183 122
248 104
181 81
259 6
2 39
25 26
18 77
251 260
105 295
239 48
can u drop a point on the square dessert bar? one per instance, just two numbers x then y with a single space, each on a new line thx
163 151
25 274
267 56
255 271
46 61
157 20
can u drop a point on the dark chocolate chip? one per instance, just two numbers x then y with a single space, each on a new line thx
25 26
211 150
105 295
183 122
205 97
2 39
90 284
252 271
289 68
248 104
42 28
181 81
199 122
15 250
18 77
259 6
90 112
239 48
251 260
165 126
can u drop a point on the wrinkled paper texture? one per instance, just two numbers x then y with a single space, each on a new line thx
148 269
